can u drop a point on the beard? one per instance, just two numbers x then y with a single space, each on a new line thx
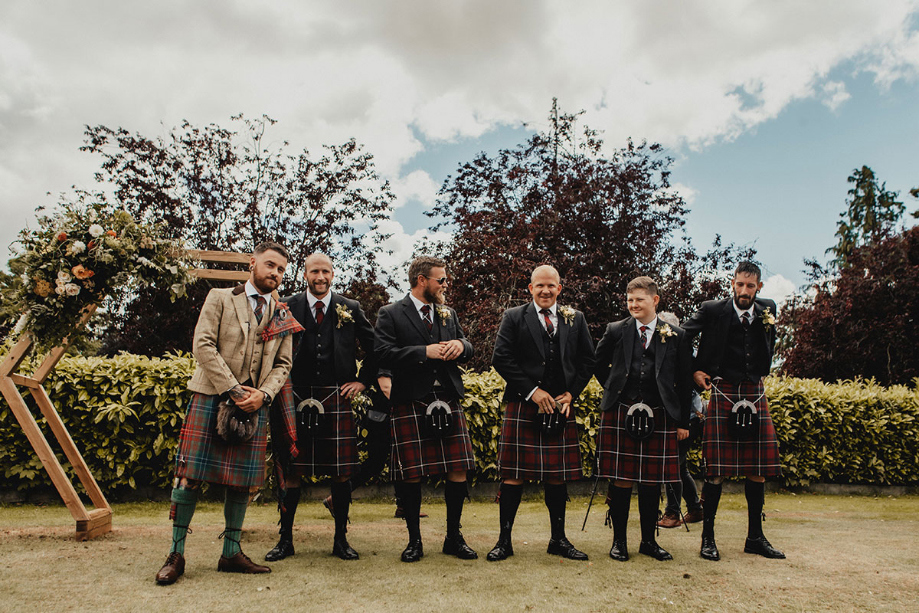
314 290
264 284
434 296
744 302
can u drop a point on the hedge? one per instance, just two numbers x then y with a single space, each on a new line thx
125 413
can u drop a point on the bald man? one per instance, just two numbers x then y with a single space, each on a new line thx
545 354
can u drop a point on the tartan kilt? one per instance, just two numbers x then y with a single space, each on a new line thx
203 456
334 450
524 452
653 460
725 456
415 454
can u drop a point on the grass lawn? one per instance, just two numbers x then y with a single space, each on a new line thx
844 553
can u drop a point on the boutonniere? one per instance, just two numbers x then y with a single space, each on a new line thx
567 314
344 314
665 331
444 314
768 318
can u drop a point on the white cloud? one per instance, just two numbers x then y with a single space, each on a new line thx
834 94
688 193
777 288
417 185
402 246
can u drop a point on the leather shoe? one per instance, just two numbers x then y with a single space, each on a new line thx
652 549
760 546
693 517
503 550
413 551
563 547
670 520
455 545
284 549
619 551
327 503
709 550
343 550
172 569
240 563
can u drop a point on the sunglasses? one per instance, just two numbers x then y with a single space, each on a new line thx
441 280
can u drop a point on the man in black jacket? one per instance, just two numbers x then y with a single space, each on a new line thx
325 369
735 353
419 343
545 354
643 365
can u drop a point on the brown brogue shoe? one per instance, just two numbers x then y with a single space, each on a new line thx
670 520
693 517
240 563
172 569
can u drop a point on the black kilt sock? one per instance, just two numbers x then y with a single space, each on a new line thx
455 493
648 508
508 503
341 502
556 500
756 498
711 495
620 498
411 506
291 500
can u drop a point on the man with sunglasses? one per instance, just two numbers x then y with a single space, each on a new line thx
419 343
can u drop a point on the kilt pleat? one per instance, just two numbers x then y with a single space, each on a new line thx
333 451
524 452
415 454
653 460
726 456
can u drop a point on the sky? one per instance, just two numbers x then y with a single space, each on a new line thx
766 107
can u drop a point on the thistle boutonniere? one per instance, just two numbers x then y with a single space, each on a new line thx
768 318
665 331
344 314
567 314
443 313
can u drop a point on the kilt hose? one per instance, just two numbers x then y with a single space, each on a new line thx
722 454
416 454
333 451
620 457
203 456
524 452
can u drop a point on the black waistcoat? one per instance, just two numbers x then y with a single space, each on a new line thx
642 381
745 356
553 376
315 362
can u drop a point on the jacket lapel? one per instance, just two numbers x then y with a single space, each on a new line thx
536 329
563 329
241 303
660 348
414 316
332 311
629 338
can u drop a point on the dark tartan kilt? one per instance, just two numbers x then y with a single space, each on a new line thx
653 460
524 452
722 454
203 456
334 450
415 454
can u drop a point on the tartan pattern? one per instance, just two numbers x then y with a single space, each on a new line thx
203 456
653 460
335 451
725 456
414 454
524 452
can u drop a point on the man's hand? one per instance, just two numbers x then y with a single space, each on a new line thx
450 350
543 400
433 351
385 384
565 400
682 434
702 380
348 390
253 402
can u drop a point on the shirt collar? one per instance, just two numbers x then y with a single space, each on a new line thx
552 309
740 312
651 326
251 292
418 303
313 299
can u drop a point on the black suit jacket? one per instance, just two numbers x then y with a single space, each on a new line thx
713 321
401 348
345 338
520 358
672 367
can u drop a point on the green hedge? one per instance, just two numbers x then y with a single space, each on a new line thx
125 413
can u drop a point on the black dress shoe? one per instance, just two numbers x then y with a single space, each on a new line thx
503 550
652 549
343 550
562 547
619 551
413 551
284 549
760 546
455 545
709 550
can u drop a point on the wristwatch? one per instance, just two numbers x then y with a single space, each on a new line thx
267 398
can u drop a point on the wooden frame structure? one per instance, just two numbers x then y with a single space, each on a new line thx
98 521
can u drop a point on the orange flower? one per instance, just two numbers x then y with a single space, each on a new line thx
91 244
61 237
111 233
81 273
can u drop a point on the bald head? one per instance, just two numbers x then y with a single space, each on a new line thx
545 285
543 271
318 258
319 274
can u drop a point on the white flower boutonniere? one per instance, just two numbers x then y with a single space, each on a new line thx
567 314
768 318
344 314
444 314
665 331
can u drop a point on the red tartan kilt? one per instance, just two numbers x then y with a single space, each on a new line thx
724 455
203 456
524 452
415 454
334 450
653 460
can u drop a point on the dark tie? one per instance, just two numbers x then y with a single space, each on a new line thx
319 315
642 331
426 316
549 327
259 307
747 319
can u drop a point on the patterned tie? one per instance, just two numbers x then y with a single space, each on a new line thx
319 315
426 316
642 331
747 319
259 307
549 327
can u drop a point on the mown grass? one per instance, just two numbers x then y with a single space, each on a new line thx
844 553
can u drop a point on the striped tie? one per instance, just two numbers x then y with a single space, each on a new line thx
549 327
643 332
426 316
259 307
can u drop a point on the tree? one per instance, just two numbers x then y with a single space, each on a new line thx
600 221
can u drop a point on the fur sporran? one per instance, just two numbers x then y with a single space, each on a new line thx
233 424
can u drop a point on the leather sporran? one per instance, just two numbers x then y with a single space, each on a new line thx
233 424
551 424
743 421
639 421
438 419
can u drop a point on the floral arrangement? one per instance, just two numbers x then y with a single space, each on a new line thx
76 257
768 318
443 313
344 314
567 314
664 331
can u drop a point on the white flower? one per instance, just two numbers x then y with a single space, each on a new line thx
96 230
72 289
63 276
173 269
567 314
59 290
77 247
21 324
444 314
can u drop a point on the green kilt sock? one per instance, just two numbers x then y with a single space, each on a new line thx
234 512
183 508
